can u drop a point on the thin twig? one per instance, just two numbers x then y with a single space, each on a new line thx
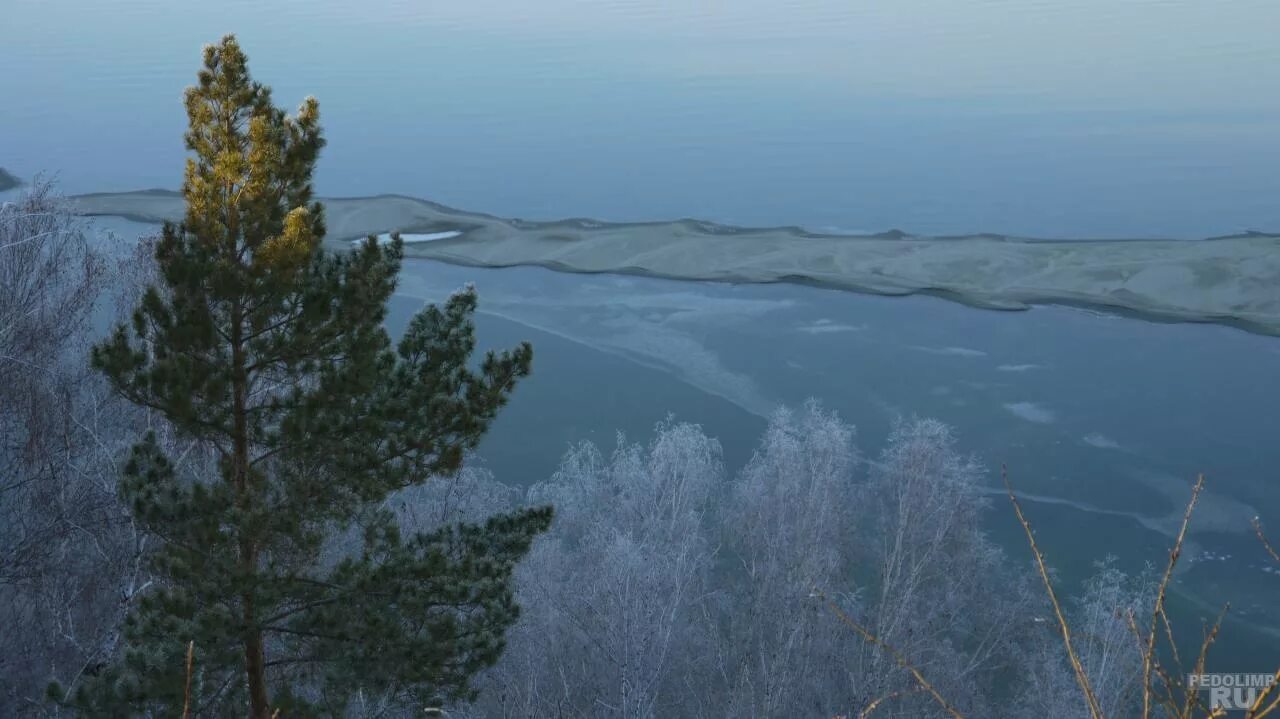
894 653
876 704
1148 654
1173 646
1257 711
1168 700
1095 711
1257 529
1191 700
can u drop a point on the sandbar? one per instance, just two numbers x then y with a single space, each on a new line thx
1232 280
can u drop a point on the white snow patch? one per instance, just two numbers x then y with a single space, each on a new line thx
825 326
952 351
1100 441
385 238
1030 411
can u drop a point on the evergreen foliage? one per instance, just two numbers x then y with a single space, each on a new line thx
293 580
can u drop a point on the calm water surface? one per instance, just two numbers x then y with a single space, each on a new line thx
1043 117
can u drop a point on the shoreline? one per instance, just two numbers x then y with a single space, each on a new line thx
1232 280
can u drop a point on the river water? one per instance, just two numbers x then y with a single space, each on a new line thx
1039 117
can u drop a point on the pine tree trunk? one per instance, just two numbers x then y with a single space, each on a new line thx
255 668
254 655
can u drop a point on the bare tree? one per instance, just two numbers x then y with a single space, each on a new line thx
1108 651
903 551
790 529
612 595
49 280
69 555
646 601
940 591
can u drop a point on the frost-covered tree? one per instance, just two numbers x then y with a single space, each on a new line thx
264 347
903 551
1109 653
67 548
615 590
937 589
663 590
50 278
789 530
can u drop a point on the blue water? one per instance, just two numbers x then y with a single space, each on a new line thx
1052 117
1104 422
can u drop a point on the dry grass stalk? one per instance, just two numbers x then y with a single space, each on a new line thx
1257 529
1167 701
897 657
1148 654
1191 700
1168 635
1095 711
877 703
1258 711
1178 699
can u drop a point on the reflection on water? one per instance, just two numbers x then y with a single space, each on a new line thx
1054 117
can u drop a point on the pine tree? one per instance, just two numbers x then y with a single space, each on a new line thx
272 352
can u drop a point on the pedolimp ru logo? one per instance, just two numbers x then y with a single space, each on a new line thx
1231 692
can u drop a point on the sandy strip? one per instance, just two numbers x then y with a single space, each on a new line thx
1230 280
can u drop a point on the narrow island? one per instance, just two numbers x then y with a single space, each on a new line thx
1232 280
